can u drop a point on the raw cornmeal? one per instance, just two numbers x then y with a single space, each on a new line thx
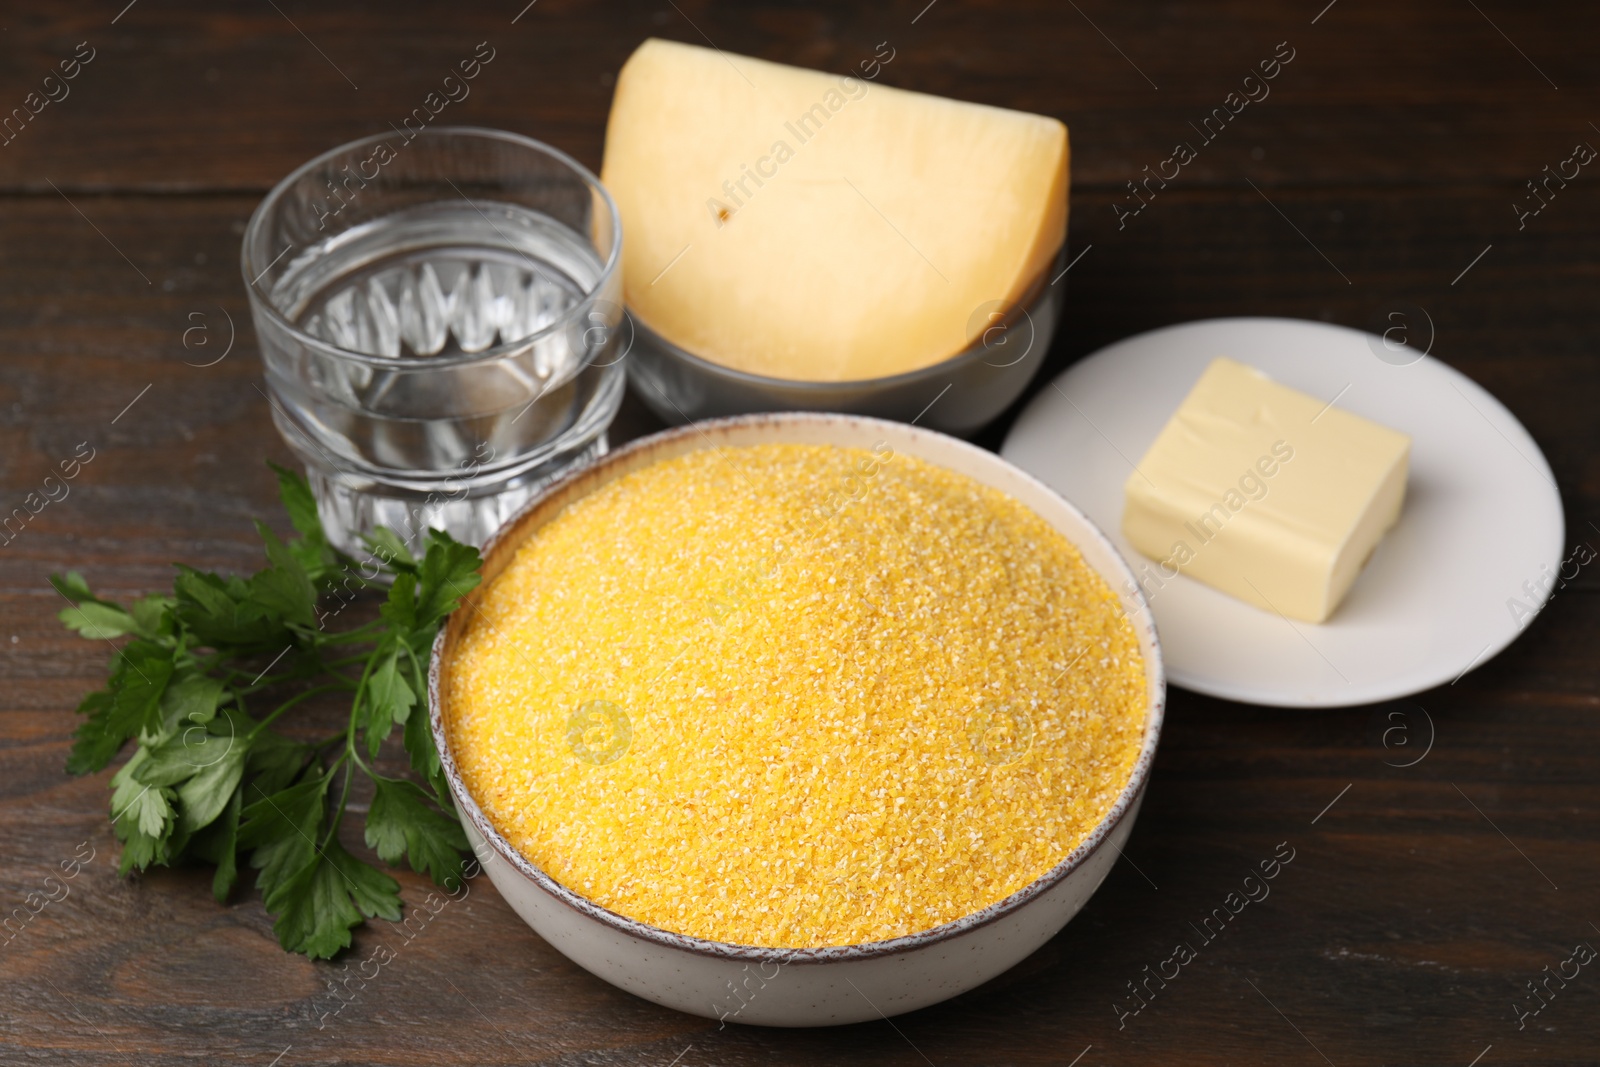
793 695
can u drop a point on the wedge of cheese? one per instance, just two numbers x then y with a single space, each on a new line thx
820 227
1263 492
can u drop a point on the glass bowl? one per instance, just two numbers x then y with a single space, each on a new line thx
436 311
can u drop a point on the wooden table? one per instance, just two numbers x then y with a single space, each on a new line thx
1381 173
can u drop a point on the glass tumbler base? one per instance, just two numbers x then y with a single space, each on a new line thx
351 506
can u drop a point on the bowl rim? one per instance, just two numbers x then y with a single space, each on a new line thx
1037 290
261 296
1126 801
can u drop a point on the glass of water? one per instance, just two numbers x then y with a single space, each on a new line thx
437 313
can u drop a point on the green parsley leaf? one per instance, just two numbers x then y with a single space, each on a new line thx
130 705
207 781
404 822
95 741
98 621
449 571
311 548
299 502
325 899
284 588
400 609
425 756
227 851
150 614
387 546
389 700
203 796
191 699
138 681
223 614
282 828
219 844
73 586
375 894
273 762
141 815
147 808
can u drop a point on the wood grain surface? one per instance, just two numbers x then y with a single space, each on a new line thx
1380 173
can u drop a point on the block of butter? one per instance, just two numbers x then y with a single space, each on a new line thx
1263 492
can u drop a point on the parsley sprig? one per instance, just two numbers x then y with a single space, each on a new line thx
211 781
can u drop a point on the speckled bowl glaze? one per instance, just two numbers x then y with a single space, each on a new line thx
819 986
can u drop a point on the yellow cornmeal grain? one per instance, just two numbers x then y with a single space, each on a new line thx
792 695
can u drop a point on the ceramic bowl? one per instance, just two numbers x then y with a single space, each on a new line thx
958 395
818 986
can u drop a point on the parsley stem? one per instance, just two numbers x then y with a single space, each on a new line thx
416 665
344 797
422 680
350 753
366 633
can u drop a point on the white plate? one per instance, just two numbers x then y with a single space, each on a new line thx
1482 515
